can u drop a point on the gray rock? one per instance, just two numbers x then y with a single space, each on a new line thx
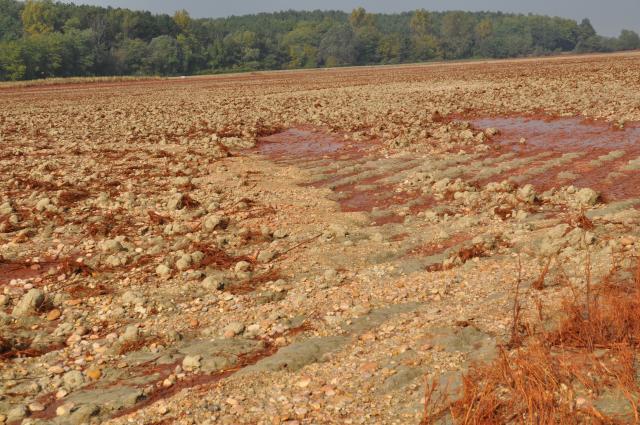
587 197
265 256
163 270
176 202
130 333
111 399
191 362
242 267
213 283
214 222
17 413
298 355
83 414
235 328
73 380
29 303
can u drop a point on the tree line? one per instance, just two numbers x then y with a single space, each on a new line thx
42 38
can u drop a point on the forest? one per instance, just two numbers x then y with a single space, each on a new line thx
43 39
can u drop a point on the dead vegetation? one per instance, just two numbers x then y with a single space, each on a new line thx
559 376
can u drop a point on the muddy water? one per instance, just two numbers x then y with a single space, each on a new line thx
556 152
605 152
561 134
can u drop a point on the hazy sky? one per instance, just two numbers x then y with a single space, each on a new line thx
607 16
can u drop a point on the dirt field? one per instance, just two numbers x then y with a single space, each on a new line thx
445 243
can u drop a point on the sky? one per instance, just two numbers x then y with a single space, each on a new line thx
608 17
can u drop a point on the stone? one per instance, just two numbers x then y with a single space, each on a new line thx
36 407
53 315
29 303
112 246
191 362
213 283
176 202
242 267
587 197
43 204
17 413
163 270
527 194
73 380
233 329
83 414
265 256
183 262
93 373
280 234
130 334
214 222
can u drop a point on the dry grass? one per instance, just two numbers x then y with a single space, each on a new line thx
542 382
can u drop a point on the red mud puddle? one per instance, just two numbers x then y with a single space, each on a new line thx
591 139
299 144
24 271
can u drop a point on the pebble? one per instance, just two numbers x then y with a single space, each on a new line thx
53 315
93 373
36 407
233 329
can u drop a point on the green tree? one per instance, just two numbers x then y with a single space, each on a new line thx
130 57
629 40
182 20
10 20
301 45
457 35
425 45
163 57
12 67
338 46
39 16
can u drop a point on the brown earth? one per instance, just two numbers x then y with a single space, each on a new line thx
313 246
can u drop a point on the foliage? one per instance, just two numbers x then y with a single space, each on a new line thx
42 38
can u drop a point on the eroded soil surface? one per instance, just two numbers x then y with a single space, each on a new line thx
304 247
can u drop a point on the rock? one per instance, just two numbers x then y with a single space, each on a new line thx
29 303
265 256
131 333
242 267
43 204
587 197
111 246
191 362
93 373
163 270
83 414
111 399
184 262
64 409
17 413
53 315
280 234
6 208
233 329
132 298
330 275
176 202
36 407
73 380
527 194
214 222
213 283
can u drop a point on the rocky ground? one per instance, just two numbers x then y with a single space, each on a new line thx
301 247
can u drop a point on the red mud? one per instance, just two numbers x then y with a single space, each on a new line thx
565 135
10 271
305 144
